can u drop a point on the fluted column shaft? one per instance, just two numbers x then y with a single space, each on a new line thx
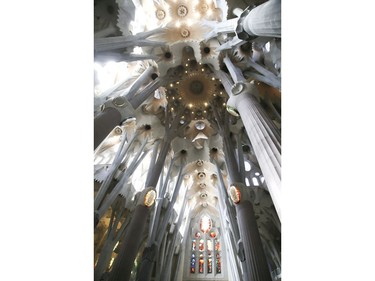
264 20
254 253
263 138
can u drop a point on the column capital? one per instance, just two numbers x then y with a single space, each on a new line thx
243 87
240 91
240 31
122 105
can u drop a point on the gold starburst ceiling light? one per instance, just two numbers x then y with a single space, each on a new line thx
195 89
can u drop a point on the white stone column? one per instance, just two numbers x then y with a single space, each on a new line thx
264 139
264 20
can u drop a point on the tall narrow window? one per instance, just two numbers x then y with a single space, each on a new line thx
217 245
209 263
218 263
201 263
218 255
192 263
201 245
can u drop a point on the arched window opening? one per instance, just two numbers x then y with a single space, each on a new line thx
247 166
205 224
205 256
247 182
255 181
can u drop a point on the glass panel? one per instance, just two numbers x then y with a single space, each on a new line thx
209 264
201 245
193 245
217 245
209 245
205 224
192 264
218 263
201 263
213 234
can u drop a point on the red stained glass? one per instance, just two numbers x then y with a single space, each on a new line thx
201 245
209 264
201 264
218 263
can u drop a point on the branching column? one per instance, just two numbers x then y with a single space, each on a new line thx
133 237
121 108
149 254
222 119
263 136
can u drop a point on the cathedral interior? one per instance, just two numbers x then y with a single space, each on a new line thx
187 140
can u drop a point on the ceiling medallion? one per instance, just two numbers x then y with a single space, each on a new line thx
203 195
182 11
201 175
184 32
160 14
199 163
197 90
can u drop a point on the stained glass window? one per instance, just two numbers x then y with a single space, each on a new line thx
205 224
217 245
201 245
192 263
209 245
201 263
209 264
193 245
205 249
218 263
